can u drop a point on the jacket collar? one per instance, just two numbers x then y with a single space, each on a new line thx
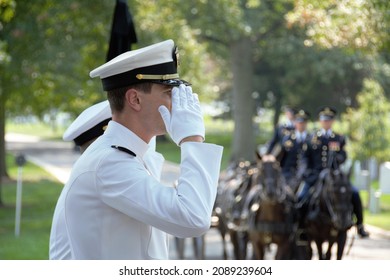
124 137
327 133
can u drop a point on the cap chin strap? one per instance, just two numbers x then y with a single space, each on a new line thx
157 77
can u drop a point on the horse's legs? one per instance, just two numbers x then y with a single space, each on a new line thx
319 249
283 251
199 246
225 257
341 239
222 230
180 247
329 251
243 244
258 249
240 244
236 244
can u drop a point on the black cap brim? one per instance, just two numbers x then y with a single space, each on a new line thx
171 82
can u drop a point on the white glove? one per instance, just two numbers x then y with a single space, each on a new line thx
186 117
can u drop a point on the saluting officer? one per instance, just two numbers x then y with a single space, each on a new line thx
83 131
281 131
316 158
115 207
293 147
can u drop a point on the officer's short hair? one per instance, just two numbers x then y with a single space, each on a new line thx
116 97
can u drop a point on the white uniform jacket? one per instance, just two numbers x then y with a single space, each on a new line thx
114 207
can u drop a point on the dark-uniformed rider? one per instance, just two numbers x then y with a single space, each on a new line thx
316 158
293 147
282 130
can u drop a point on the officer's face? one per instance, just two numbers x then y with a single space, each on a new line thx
326 124
290 115
159 95
301 126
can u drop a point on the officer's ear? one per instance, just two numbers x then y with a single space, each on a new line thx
132 99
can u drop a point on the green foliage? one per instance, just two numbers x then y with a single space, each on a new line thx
353 24
308 77
54 44
368 125
7 9
380 15
45 39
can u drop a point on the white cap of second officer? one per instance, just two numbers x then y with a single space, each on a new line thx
157 63
90 124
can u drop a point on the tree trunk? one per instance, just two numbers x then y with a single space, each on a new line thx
277 110
3 166
243 103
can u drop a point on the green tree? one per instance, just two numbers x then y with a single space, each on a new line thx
368 124
352 40
308 76
43 41
7 8
343 23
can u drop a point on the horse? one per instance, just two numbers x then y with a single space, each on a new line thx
233 186
330 211
271 217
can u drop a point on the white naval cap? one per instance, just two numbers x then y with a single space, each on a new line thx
156 63
90 124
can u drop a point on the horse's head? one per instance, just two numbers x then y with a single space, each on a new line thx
270 179
338 191
269 210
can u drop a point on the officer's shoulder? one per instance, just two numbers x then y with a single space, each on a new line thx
339 136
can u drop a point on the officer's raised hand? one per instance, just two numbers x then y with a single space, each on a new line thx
185 119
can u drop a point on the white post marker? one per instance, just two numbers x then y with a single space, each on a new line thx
20 162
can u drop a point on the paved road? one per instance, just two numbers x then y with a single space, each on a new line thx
57 157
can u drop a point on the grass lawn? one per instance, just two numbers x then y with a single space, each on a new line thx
40 194
37 129
381 219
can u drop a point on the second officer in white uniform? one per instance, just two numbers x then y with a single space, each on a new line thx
114 206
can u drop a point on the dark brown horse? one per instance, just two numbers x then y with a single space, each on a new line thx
271 213
233 187
330 212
